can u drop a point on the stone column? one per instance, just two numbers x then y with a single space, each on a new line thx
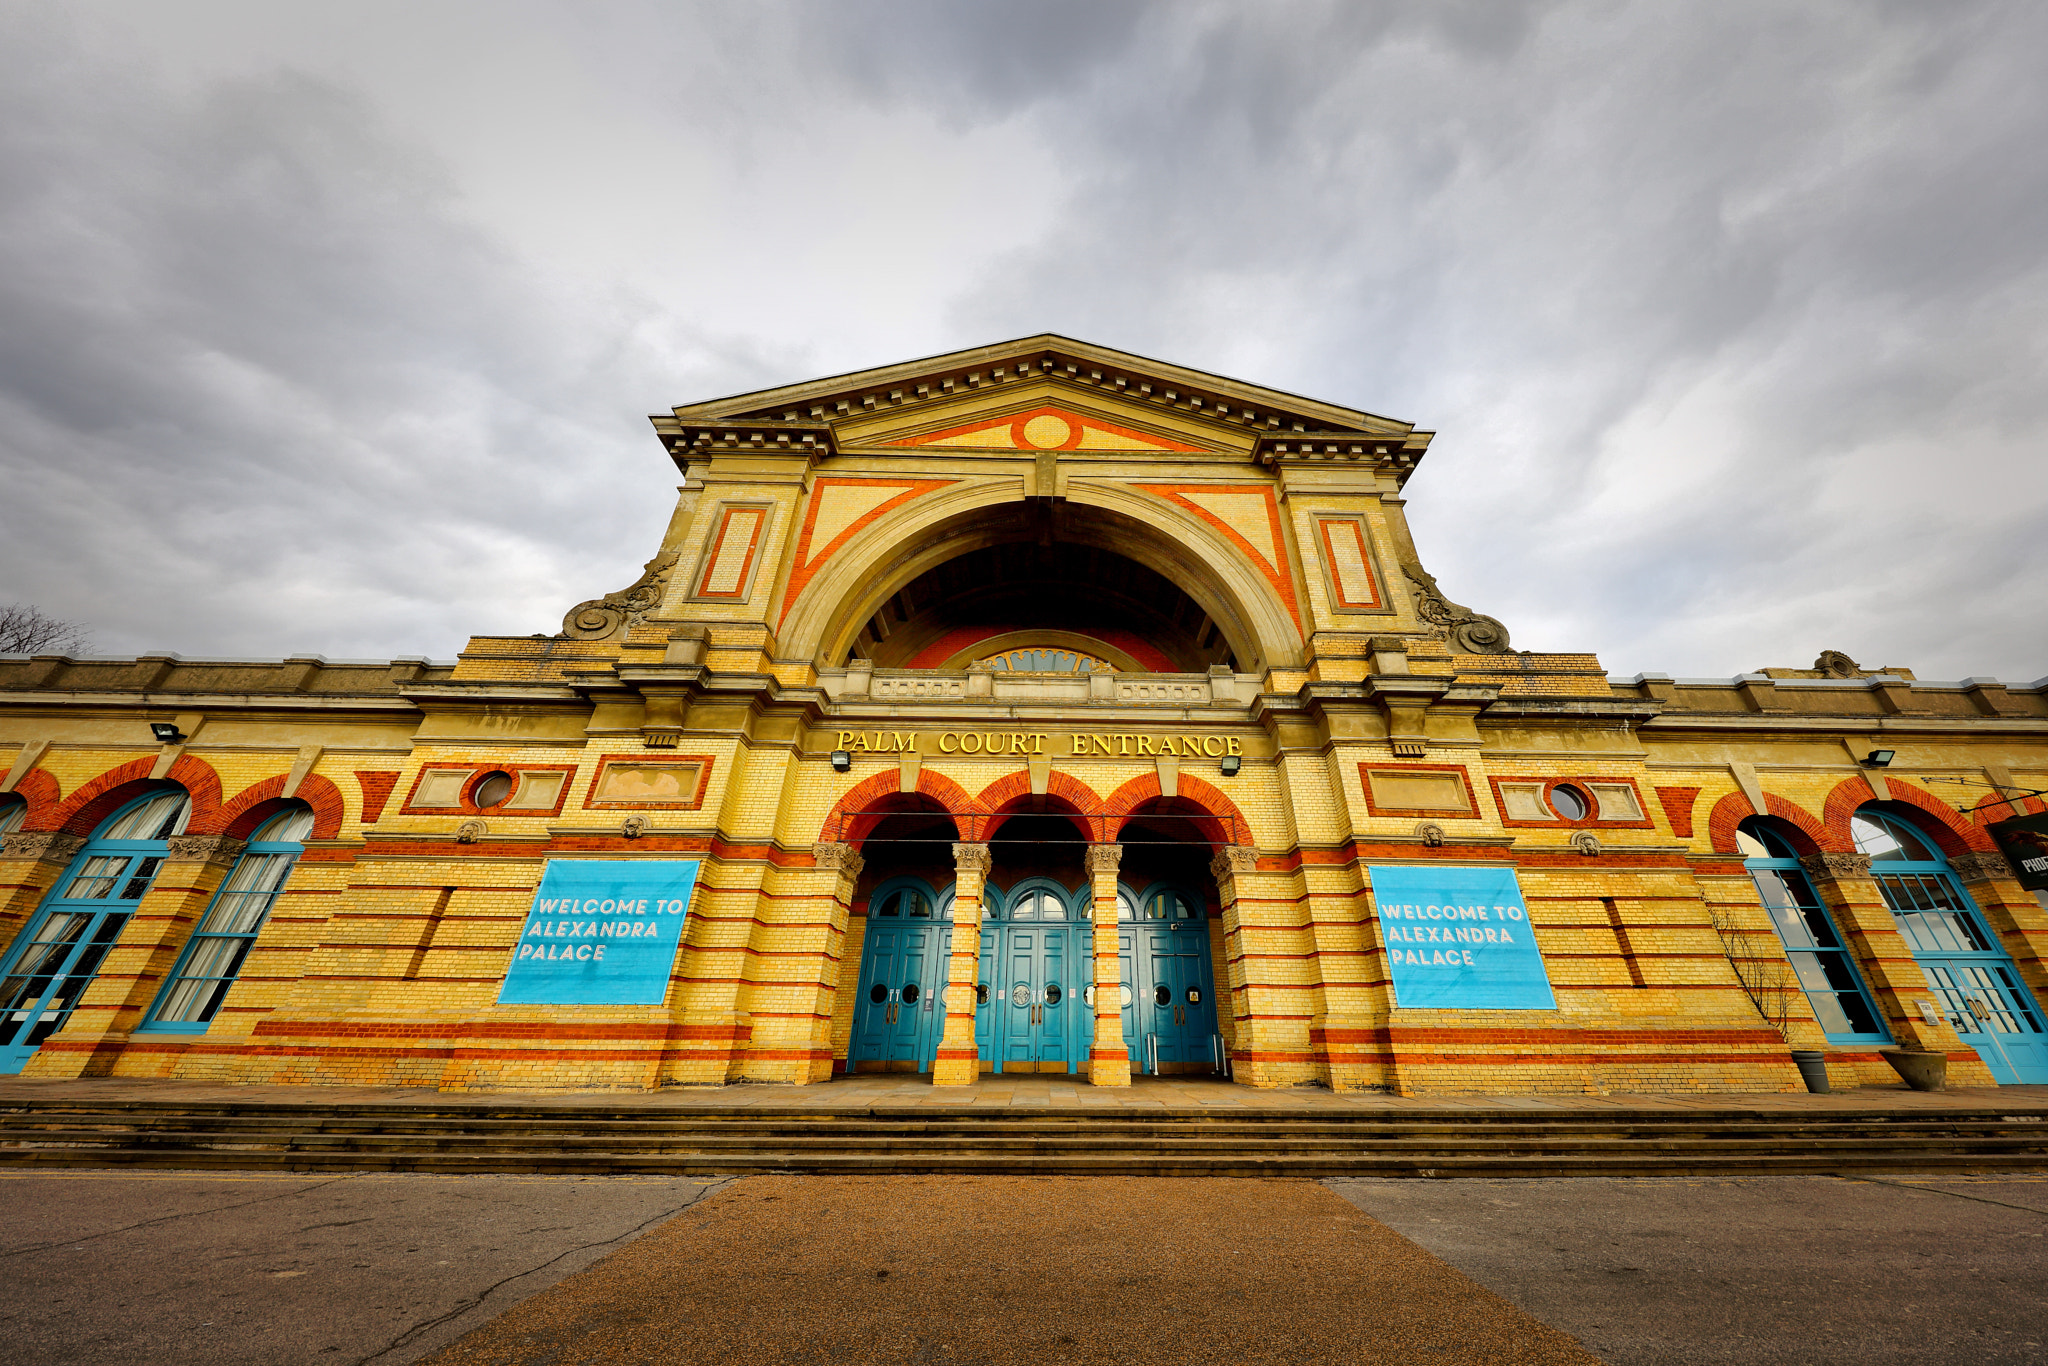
844 863
31 861
134 969
1231 860
1109 1059
958 1063
1844 882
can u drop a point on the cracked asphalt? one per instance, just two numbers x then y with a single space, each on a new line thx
102 1268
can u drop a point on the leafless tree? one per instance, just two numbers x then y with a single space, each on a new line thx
1758 958
24 630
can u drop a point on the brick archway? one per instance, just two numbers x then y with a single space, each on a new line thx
868 803
1733 809
1064 796
259 801
83 811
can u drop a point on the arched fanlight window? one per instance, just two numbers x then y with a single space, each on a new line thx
213 959
1818 957
1969 971
1169 905
58 955
13 811
1036 901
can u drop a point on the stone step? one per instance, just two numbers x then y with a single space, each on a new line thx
698 1141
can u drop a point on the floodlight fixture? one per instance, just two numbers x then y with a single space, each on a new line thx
1879 758
167 732
1230 765
841 761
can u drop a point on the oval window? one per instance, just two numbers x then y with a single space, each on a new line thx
878 993
491 789
1569 802
910 993
1052 993
1163 994
981 993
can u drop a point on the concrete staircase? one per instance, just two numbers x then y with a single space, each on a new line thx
593 1139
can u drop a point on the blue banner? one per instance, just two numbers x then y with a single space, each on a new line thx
1458 939
601 932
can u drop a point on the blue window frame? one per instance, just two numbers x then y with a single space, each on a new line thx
58 954
1819 960
1040 898
909 898
1969 972
213 958
13 810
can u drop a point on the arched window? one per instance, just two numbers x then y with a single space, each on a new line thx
58 954
910 900
1967 968
1823 966
13 810
213 958
1038 899
1165 903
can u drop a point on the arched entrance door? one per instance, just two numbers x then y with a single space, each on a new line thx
1969 972
1035 967
58 955
899 1014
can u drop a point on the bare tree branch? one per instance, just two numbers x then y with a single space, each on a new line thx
24 630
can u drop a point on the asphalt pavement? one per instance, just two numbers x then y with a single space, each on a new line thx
1764 1271
247 1269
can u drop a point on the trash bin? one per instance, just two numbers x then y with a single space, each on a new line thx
1813 1069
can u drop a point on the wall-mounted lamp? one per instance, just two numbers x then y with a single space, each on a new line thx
841 761
1879 758
167 732
1230 765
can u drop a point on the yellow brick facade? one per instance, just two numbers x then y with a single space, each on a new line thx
833 543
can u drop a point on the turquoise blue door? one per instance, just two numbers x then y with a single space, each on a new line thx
897 1015
59 954
1172 980
1970 974
1038 1007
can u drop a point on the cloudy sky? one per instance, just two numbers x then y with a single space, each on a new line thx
333 328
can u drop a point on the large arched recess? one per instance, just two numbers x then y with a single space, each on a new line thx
872 568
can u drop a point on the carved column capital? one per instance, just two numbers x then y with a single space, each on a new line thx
44 846
1836 865
841 858
1978 867
204 848
1234 858
1104 858
972 858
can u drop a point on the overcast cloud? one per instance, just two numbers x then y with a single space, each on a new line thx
333 328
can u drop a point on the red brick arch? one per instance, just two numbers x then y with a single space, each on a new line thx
1074 799
866 804
1733 809
94 801
259 801
1942 823
1992 808
42 794
1218 818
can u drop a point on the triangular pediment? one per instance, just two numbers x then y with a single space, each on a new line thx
1044 427
913 389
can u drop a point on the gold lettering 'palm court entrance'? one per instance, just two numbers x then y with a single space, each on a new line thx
1035 708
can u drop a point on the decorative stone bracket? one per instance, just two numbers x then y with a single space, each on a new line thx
1836 865
204 848
44 846
1979 867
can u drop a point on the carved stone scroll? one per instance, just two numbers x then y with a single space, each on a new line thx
1467 631
611 615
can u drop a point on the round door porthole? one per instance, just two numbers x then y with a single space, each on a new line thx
1163 994
981 993
1052 993
1020 995
1088 997
909 992
878 993
1124 989
1194 996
